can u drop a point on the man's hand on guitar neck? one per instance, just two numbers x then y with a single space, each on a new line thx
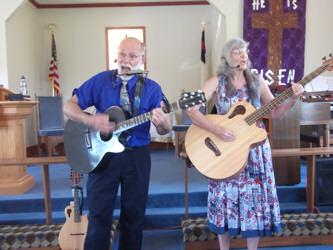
161 121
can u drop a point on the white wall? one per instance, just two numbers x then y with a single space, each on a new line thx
173 41
7 8
318 35
22 47
173 36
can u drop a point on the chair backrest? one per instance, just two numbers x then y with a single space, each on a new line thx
49 112
186 120
314 111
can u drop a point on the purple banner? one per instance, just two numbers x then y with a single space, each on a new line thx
275 30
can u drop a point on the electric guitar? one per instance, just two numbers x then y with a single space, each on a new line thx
73 232
220 160
85 147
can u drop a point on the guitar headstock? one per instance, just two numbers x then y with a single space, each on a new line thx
190 99
328 63
75 176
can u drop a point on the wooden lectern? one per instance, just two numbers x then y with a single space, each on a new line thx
13 178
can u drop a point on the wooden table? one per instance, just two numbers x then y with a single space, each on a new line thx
44 162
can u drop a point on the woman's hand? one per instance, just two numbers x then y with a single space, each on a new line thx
297 91
224 133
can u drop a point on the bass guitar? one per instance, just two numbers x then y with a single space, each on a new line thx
220 160
73 232
85 147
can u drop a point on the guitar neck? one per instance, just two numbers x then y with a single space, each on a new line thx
256 115
140 119
77 213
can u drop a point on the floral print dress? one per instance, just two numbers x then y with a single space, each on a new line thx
248 204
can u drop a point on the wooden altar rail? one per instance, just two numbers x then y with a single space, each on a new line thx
309 153
44 162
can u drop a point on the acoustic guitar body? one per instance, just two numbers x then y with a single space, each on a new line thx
220 160
73 233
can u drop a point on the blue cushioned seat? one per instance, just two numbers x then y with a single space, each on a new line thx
51 132
50 127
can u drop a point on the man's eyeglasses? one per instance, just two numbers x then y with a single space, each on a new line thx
240 51
132 57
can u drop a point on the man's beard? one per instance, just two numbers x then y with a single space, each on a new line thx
123 65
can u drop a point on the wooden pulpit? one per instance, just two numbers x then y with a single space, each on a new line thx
285 134
13 178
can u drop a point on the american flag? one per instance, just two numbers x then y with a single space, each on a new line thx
53 73
203 46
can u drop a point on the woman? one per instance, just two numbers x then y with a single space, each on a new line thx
247 204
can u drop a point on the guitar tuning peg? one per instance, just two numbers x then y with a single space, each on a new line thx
189 109
203 104
196 107
199 91
324 58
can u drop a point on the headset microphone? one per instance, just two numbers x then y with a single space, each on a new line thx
238 66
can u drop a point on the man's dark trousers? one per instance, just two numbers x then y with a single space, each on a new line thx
130 169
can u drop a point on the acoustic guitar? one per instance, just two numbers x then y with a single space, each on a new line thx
73 232
220 160
85 147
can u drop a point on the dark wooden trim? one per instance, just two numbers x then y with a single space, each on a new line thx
32 151
101 5
265 242
160 145
33 2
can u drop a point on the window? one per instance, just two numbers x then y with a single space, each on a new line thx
113 37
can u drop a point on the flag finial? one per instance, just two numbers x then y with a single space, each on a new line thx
203 23
52 27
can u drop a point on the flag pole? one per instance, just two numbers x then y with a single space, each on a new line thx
52 28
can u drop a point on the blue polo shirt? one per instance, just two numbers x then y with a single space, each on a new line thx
103 91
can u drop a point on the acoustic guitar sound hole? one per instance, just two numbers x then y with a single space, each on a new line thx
211 145
106 137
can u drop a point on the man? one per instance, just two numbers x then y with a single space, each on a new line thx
130 168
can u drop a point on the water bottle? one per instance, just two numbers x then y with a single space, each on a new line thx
23 86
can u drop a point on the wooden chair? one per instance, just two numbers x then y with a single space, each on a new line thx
315 120
50 123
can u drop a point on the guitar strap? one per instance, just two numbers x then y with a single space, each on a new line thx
166 109
137 95
255 93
